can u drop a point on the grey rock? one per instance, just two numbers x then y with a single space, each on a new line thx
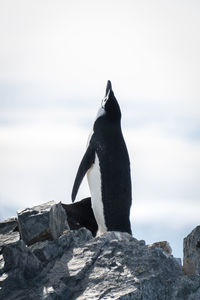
2 263
112 266
42 222
163 245
75 265
191 250
123 269
20 266
19 257
179 261
186 288
27 277
48 250
9 232
10 238
8 225
45 251
7 237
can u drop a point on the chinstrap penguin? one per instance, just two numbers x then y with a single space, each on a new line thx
106 162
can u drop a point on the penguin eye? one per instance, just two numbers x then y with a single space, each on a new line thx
105 99
104 102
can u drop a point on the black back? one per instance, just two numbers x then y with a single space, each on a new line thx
109 144
80 214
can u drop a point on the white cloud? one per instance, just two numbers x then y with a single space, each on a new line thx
171 213
163 166
151 48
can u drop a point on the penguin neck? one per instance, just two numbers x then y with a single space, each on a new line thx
113 110
105 123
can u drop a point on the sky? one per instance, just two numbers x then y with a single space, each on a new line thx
55 60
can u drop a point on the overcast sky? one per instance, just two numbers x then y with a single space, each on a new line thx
55 59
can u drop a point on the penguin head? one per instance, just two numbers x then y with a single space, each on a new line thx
109 106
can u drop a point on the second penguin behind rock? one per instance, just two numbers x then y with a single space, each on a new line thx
107 165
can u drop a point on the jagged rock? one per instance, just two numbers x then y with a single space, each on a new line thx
164 245
8 225
19 258
9 238
78 266
185 288
191 249
2 263
20 266
43 222
26 274
48 250
114 265
8 232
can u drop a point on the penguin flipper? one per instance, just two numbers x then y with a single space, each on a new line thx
87 161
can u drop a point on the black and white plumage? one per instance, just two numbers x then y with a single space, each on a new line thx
107 165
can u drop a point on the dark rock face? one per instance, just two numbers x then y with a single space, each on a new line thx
191 262
42 222
9 225
75 265
19 259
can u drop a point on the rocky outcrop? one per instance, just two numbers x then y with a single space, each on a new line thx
9 225
42 222
76 265
191 261
164 245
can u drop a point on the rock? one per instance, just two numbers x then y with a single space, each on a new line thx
20 266
25 272
8 225
114 265
48 250
43 222
2 263
19 258
9 232
163 245
179 261
10 238
76 265
185 288
191 251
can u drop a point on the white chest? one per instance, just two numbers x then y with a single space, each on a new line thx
94 181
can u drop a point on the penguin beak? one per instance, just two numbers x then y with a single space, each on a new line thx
108 89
